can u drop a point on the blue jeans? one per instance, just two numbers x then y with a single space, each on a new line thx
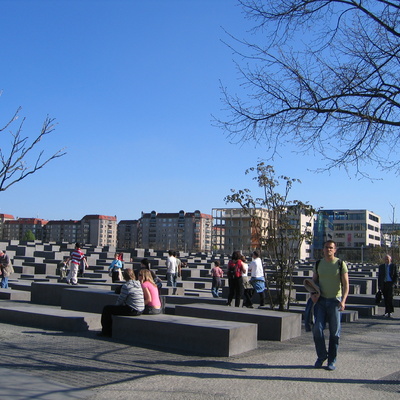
326 311
4 282
171 279
216 284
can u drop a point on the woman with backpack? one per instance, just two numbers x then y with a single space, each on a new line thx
235 280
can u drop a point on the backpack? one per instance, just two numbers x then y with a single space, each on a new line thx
235 269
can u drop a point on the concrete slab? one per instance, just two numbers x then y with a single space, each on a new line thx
190 335
193 300
47 317
49 293
348 315
364 310
10 294
272 325
87 299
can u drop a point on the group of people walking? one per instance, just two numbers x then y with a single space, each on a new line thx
241 285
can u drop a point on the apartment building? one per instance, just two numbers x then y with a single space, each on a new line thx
390 233
182 231
100 230
127 234
63 231
234 229
348 228
302 228
17 228
3 219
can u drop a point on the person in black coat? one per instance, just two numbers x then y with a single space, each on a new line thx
387 278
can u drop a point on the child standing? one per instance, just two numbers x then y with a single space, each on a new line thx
216 273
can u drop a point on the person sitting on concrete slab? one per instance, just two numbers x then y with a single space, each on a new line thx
144 263
152 303
130 302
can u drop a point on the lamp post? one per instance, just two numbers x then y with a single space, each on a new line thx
362 254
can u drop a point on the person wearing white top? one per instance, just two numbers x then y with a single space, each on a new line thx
172 270
248 288
257 276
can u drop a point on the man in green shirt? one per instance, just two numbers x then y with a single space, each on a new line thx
331 274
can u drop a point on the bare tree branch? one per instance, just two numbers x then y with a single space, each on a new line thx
335 92
14 158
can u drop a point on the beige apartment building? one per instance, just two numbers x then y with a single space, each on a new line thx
182 231
234 229
100 230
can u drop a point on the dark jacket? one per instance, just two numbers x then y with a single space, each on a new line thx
393 273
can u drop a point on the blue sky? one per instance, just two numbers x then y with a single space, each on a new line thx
133 86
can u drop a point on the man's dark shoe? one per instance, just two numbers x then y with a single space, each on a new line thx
319 363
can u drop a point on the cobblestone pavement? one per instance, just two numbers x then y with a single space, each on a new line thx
38 364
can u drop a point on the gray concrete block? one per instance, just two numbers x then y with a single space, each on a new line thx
169 291
367 285
49 293
364 310
20 285
193 300
361 299
349 315
272 325
10 294
51 318
87 299
192 335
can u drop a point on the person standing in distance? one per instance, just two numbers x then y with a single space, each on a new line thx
172 271
331 274
74 262
257 276
387 277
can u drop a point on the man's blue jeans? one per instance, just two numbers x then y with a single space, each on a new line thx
326 311
171 279
4 282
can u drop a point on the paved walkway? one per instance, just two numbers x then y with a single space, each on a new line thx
37 364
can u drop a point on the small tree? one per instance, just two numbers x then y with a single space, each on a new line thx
14 157
280 238
29 236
